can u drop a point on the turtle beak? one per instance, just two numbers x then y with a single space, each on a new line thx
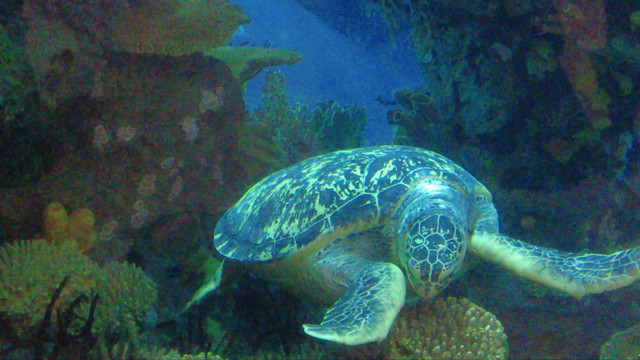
424 289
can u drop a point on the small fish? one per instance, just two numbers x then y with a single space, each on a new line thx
383 101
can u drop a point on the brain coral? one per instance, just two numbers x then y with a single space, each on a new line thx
449 329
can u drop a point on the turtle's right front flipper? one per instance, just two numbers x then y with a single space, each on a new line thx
367 310
574 274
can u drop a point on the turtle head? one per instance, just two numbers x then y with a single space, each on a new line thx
433 233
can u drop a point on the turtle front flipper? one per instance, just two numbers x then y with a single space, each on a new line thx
367 309
574 274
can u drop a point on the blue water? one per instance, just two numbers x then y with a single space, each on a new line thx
333 66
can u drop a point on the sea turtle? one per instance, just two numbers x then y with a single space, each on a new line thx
347 227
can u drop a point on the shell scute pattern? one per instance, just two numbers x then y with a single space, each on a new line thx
346 191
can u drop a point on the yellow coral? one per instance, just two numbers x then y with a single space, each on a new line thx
56 223
447 329
77 228
82 229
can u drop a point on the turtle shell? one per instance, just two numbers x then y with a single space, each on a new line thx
327 197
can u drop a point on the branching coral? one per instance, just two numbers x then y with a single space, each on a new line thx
281 131
447 329
337 127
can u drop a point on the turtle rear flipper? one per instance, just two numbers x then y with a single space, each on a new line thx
574 274
212 283
367 310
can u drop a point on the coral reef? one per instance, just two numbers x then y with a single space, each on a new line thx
296 132
469 79
338 127
30 272
159 27
622 345
246 62
66 40
584 27
125 294
447 328
540 60
419 121
128 152
173 355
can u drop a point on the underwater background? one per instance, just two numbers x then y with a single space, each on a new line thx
129 127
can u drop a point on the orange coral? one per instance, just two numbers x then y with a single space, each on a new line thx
583 24
581 74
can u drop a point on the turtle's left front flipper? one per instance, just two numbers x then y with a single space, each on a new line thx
367 309
575 274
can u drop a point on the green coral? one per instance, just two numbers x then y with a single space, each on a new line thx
622 345
30 272
125 294
246 62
